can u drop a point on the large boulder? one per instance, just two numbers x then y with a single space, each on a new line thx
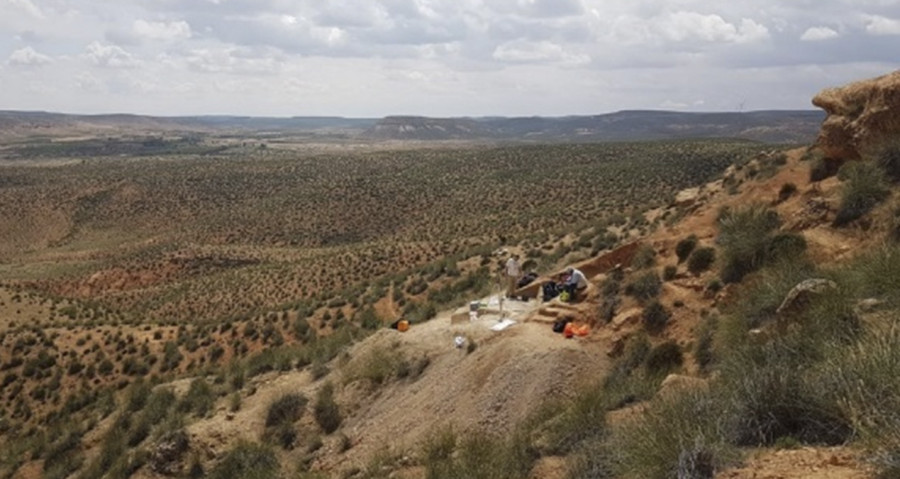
862 116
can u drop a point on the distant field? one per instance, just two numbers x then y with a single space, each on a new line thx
243 229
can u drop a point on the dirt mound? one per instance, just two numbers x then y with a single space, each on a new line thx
861 116
488 388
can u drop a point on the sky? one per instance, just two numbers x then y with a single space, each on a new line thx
444 58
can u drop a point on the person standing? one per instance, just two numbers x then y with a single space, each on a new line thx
513 273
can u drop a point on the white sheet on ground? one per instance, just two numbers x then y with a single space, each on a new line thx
503 325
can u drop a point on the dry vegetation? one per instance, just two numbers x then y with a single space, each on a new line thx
118 273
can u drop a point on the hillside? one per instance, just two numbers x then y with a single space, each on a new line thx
739 317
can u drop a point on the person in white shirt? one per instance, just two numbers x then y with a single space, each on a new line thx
513 273
576 282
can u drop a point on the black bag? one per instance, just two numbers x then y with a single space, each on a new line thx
550 290
526 280
560 324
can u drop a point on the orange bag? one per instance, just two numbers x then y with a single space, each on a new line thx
582 330
569 331
402 326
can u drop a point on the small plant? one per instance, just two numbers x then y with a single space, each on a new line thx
685 246
864 187
888 159
247 461
787 190
669 272
655 317
286 409
645 257
701 259
326 411
664 358
645 287
744 236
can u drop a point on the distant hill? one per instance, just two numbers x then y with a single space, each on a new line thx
766 126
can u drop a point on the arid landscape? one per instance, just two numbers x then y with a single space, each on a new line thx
212 296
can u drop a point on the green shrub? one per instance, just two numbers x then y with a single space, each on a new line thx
787 190
664 358
701 259
669 272
286 409
247 461
326 410
645 287
744 237
823 168
478 456
703 349
888 159
685 246
199 398
682 436
645 257
655 317
864 187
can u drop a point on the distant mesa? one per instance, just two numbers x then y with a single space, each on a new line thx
861 116
778 126
634 125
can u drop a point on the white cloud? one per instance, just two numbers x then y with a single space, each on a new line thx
28 57
163 31
686 26
879 25
521 51
814 34
112 56
26 6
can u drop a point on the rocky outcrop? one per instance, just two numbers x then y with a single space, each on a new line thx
799 296
862 116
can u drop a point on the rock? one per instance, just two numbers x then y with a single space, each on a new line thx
687 197
627 317
165 457
861 116
868 305
677 383
798 297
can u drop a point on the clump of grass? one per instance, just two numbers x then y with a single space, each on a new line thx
247 461
199 398
376 366
477 456
644 257
888 159
864 188
280 418
744 236
326 411
645 287
664 358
